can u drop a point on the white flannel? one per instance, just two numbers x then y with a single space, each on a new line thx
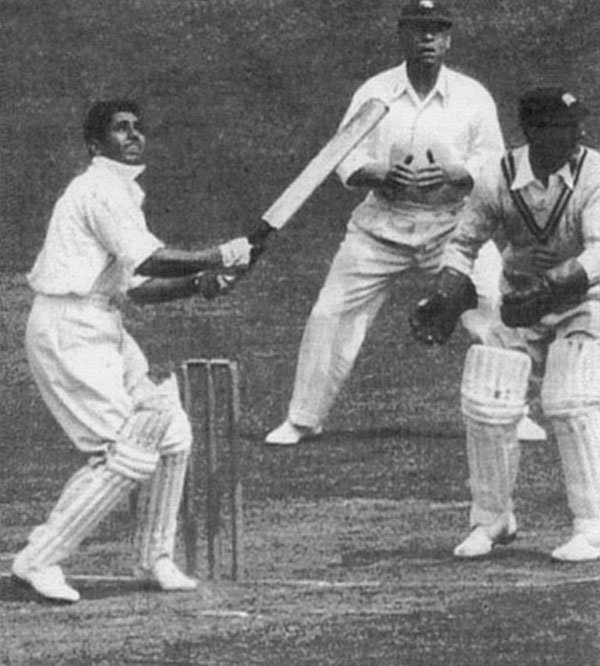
492 212
457 122
97 234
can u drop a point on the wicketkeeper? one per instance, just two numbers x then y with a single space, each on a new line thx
91 373
543 201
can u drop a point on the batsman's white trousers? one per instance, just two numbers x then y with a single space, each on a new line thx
91 373
358 283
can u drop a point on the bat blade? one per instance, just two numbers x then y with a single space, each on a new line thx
328 158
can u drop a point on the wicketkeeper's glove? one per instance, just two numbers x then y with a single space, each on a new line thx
554 288
436 316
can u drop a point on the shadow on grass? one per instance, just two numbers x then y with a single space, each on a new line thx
440 431
442 557
13 591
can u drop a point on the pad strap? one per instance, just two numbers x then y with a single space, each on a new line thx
571 382
494 384
131 461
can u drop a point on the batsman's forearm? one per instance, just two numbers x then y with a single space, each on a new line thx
171 263
160 290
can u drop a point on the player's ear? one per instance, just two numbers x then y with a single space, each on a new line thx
94 147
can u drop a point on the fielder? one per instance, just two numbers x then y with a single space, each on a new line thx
419 164
92 375
543 200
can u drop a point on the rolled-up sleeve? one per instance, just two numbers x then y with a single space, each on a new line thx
121 228
477 224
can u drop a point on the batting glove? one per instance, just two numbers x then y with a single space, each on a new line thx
236 253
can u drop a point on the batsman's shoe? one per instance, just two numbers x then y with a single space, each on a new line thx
289 434
48 582
578 549
482 540
529 431
167 576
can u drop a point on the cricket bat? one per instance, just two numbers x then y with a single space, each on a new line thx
317 170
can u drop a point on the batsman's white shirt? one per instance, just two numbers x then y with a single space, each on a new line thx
89 370
97 234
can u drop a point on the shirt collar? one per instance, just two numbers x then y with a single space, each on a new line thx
126 171
403 84
524 175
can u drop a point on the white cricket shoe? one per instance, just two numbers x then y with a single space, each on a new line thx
167 576
48 582
482 540
529 431
578 549
288 434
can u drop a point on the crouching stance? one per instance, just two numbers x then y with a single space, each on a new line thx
91 373
543 202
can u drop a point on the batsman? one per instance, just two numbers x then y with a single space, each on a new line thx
92 375
542 202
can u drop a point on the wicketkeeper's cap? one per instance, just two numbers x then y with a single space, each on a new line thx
420 11
543 104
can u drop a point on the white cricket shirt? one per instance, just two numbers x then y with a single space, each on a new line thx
491 210
97 234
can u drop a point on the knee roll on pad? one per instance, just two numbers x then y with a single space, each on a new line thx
145 428
132 461
178 436
170 432
494 384
572 378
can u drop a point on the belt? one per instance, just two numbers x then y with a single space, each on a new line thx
100 301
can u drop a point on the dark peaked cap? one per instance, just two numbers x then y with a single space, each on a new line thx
417 11
550 103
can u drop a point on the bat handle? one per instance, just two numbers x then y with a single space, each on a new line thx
260 234
258 240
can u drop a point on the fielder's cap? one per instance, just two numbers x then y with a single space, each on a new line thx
542 104
421 11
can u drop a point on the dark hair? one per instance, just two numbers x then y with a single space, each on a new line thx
420 11
99 117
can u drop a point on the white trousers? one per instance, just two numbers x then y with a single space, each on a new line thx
358 283
91 372
93 378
